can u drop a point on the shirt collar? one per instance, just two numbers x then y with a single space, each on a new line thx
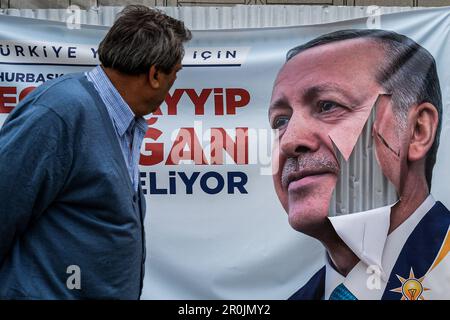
118 109
141 124
365 233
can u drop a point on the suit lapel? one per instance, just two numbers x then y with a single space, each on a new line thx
314 289
419 251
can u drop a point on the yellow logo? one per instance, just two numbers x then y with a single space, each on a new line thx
411 288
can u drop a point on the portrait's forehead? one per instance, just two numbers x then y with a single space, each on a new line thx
349 65
353 53
354 49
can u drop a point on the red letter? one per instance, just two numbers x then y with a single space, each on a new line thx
4 99
218 101
186 137
220 141
172 101
199 101
25 92
232 103
157 149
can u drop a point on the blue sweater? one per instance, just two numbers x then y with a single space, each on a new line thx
66 199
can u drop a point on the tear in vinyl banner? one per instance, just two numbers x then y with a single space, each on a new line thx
237 200
361 174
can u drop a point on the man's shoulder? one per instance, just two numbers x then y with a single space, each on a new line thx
66 90
314 289
67 96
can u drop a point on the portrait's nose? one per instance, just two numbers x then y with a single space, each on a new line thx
301 136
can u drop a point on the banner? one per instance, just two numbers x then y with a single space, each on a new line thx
216 224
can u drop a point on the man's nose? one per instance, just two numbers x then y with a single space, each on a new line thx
301 136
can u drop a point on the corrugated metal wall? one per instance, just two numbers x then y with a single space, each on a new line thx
84 4
240 16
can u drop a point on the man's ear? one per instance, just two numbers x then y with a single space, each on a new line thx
424 122
153 77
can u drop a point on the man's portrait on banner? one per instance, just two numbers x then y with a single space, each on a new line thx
369 100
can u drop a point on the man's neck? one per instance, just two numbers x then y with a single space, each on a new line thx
343 258
128 87
413 194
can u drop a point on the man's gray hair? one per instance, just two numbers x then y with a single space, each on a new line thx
409 74
142 37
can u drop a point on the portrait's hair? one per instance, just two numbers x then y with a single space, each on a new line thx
142 37
408 73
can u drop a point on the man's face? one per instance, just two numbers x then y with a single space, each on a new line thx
166 81
391 142
169 79
320 101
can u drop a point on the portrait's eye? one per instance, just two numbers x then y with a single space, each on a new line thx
326 106
280 122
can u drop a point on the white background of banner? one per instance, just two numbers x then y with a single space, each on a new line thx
240 246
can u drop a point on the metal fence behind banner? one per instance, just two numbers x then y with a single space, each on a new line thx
239 16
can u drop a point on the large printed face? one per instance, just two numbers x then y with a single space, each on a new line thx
321 100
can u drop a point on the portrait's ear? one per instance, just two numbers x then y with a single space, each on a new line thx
424 120
153 77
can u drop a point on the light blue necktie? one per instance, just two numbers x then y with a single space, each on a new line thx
342 293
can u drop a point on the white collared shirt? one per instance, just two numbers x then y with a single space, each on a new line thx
366 234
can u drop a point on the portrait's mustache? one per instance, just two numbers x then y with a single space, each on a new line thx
306 165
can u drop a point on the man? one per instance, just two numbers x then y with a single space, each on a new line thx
321 99
72 209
